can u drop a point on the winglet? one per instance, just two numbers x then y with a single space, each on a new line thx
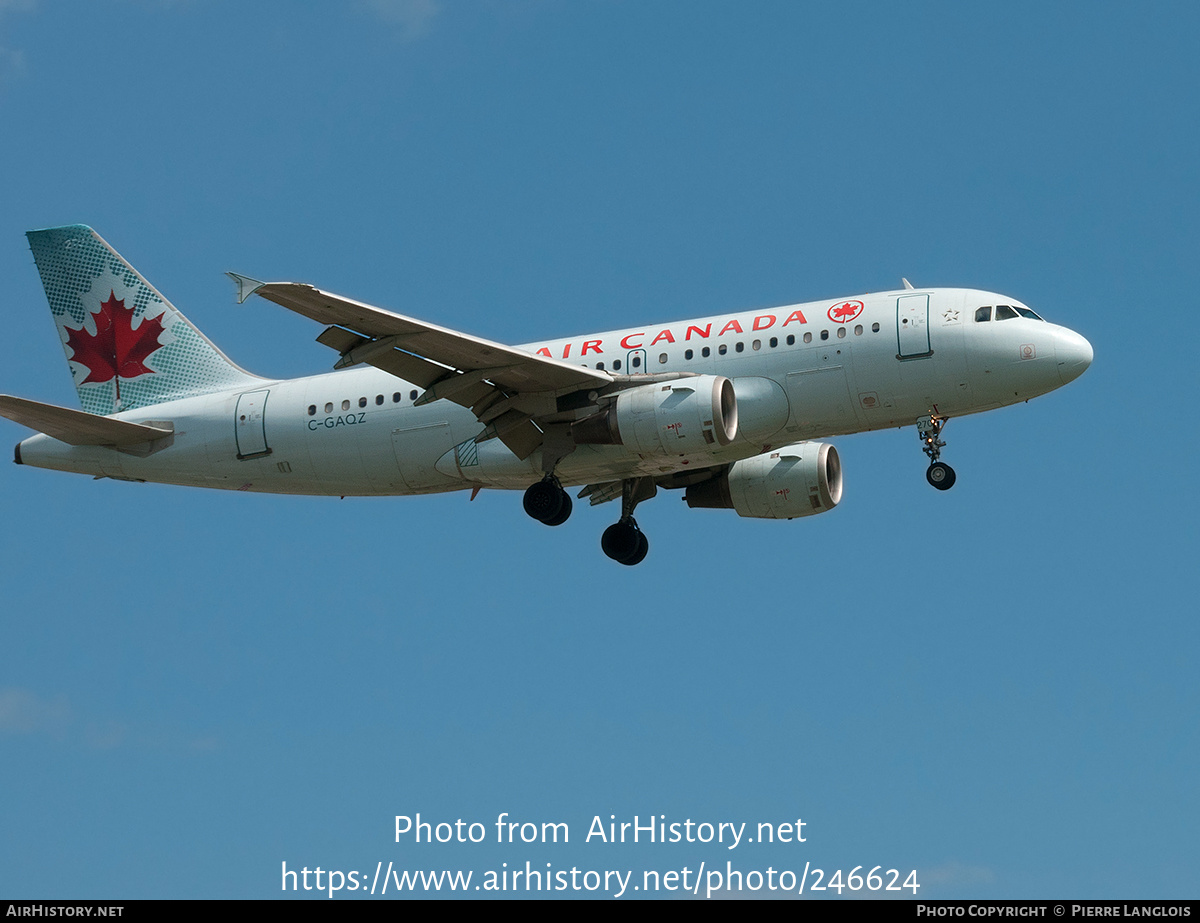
907 284
245 285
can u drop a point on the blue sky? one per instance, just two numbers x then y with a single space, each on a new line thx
995 686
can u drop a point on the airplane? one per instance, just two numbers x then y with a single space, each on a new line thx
728 409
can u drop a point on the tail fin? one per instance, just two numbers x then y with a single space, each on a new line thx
127 346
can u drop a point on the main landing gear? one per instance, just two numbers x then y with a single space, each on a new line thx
939 474
623 541
547 502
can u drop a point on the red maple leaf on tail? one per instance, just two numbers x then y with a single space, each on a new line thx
116 350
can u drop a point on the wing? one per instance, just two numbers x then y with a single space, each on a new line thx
511 391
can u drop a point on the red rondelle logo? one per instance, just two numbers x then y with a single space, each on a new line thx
845 311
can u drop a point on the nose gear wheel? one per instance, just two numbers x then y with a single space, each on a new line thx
940 475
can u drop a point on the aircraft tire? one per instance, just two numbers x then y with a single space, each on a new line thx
544 501
640 554
620 541
564 513
940 475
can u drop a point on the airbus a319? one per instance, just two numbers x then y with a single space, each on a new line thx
727 409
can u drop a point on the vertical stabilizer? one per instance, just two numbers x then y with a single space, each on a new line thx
127 346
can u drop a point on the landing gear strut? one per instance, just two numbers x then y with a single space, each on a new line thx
939 474
547 502
623 541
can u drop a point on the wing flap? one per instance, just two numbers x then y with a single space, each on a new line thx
522 439
340 339
601 493
408 367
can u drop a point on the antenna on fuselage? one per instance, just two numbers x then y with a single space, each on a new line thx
907 284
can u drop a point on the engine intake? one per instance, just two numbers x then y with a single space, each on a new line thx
798 480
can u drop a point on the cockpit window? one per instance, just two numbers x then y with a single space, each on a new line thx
1004 312
983 314
1025 312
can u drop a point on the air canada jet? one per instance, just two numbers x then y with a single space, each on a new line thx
726 409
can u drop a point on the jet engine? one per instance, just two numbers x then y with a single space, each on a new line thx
797 480
676 417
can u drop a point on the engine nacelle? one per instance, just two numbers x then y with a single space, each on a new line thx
677 417
797 480
763 410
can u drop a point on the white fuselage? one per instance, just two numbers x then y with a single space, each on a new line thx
827 368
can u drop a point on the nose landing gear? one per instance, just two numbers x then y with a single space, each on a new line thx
939 474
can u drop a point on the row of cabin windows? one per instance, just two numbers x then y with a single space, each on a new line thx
397 397
740 346
636 361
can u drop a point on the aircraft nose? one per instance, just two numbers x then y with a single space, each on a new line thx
1074 355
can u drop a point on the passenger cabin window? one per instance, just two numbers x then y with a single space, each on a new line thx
983 314
1004 312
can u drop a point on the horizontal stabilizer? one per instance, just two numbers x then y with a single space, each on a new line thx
75 427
